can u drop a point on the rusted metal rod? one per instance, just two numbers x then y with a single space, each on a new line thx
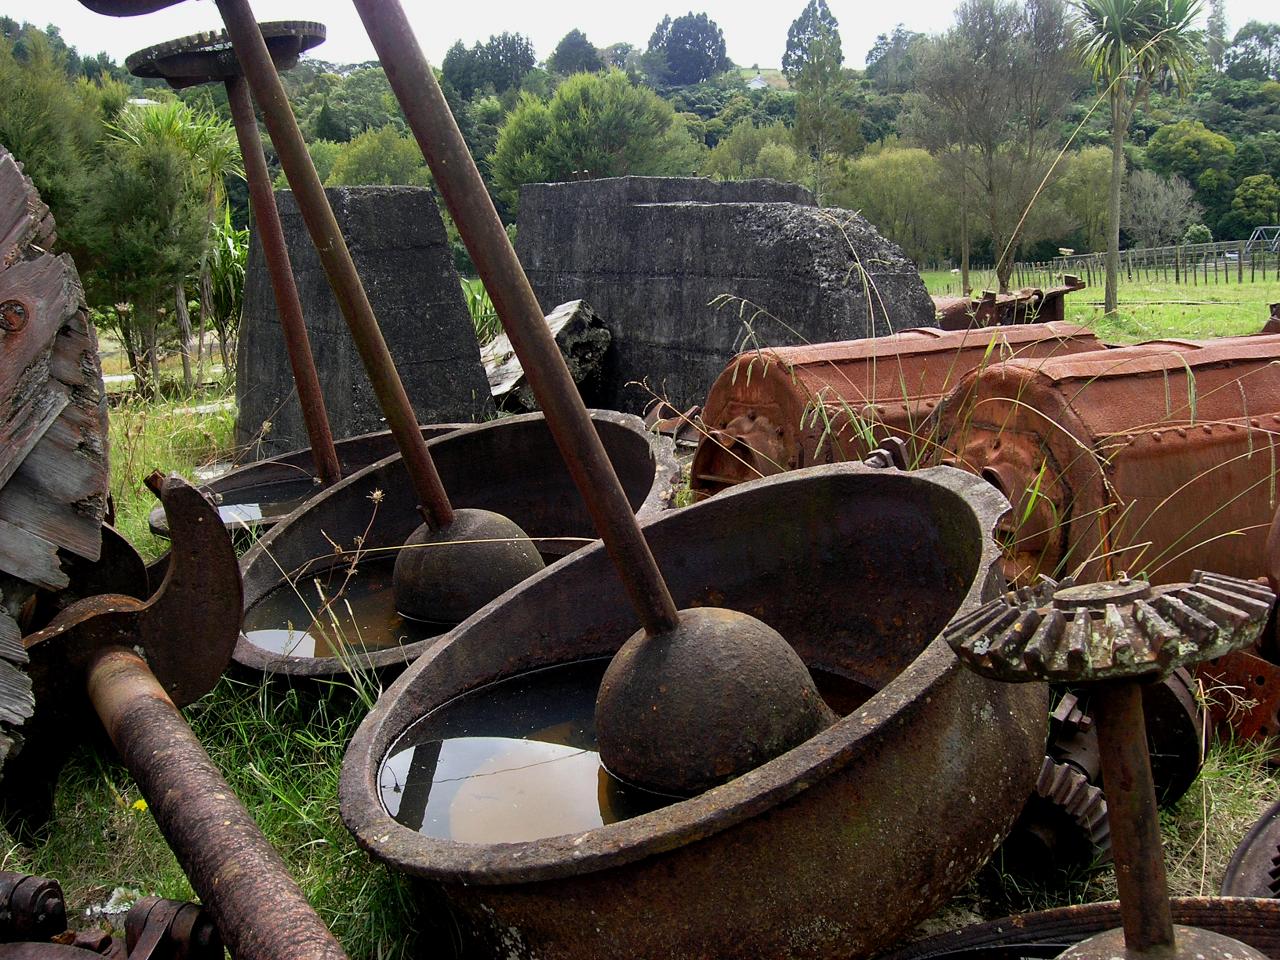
1134 817
240 878
486 240
280 270
264 81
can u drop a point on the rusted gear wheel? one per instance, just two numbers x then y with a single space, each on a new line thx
206 57
1254 870
1063 826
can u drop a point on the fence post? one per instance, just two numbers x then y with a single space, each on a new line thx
1240 261
1177 264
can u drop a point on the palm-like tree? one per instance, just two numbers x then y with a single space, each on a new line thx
1129 45
212 153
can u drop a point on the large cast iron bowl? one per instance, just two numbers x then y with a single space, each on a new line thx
834 849
510 466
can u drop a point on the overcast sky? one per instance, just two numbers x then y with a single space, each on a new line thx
755 32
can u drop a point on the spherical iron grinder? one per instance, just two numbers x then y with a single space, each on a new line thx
462 566
697 697
1116 635
138 662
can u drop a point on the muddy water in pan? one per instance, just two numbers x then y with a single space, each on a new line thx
516 760
343 613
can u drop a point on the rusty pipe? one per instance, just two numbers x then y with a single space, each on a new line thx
486 240
1135 819
259 910
276 256
264 81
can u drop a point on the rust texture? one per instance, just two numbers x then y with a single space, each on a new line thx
779 858
31 908
1156 459
489 467
790 407
1046 933
1254 870
1113 635
138 661
158 929
260 74
459 182
1029 305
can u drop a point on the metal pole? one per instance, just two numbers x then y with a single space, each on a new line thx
260 72
1134 817
280 270
259 910
486 240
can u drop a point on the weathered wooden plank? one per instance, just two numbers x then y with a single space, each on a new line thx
53 458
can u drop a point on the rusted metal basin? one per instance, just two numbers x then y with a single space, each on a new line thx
1155 459
790 407
1028 305
833 849
259 495
510 466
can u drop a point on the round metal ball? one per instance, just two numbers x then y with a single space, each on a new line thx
686 710
445 575
1190 943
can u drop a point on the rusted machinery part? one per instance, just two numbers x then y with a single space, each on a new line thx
207 57
1048 632
159 929
1254 870
118 569
1110 457
1028 305
127 8
31 907
1243 693
790 407
1062 827
1046 933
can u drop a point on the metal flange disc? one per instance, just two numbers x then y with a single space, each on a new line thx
208 57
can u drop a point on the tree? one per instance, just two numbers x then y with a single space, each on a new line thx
146 226
1157 210
827 128
1215 37
575 54
995 89
748 151
1188 148
891 61
815 20
384 156
1128 45
1257 201
462 69
507 58
693 47
597 125
1077 190
1254 53
619 55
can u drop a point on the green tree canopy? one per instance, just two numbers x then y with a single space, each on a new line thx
827 127
748 151
1254 53
575 54
385 156
596 124
1188 148
1257 201
815 20
692 46
891 61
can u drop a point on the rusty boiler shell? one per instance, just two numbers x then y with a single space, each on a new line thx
1154 459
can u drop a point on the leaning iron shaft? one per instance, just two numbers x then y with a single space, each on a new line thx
260 72
259 910
1134 817
275 254
486 240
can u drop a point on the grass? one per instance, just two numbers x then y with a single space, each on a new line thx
282 751
1152 310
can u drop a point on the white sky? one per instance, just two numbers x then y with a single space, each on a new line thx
755 32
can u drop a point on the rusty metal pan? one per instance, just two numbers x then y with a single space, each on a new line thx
511 466
859 568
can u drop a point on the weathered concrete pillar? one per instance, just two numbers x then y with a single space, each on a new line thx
651 254
400 248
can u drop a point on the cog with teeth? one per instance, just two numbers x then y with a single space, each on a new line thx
1060 631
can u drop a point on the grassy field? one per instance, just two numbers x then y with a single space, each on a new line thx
1152 310
282 752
